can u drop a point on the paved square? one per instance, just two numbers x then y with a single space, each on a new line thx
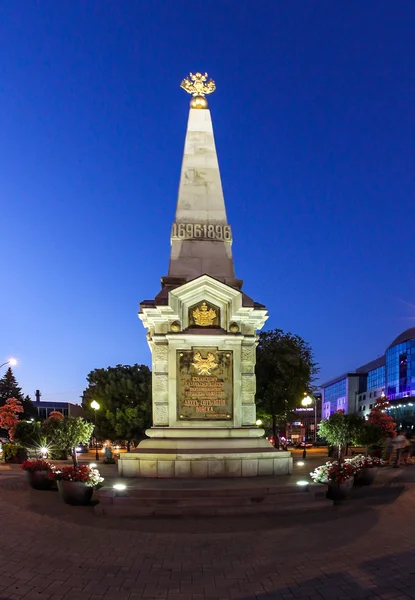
51 551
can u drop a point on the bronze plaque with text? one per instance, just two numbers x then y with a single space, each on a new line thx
204 384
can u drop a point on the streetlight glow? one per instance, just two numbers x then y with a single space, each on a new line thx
306 401
258 422
10 361
95 406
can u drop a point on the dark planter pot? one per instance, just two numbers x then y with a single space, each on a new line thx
340 491
75 492
39 480
366 476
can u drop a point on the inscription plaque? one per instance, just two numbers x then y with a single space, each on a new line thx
204 384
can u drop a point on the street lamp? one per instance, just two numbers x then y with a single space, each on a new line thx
95 406
11 361
307 401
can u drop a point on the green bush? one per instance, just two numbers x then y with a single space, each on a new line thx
10 451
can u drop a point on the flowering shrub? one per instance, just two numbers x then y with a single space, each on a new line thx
83 474
9 415
333 472
38 464
363 462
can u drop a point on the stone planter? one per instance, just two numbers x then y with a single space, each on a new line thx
340 491
39 480
366 476
75 492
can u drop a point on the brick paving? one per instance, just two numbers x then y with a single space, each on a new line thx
362 549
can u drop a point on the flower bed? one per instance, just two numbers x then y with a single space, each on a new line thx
82 474
365 462
77 484
37 464
37 473
333 472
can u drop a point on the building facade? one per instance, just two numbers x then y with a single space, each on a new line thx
67 409
392 374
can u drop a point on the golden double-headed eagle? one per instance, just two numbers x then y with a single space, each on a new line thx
204 365
198 85
204 316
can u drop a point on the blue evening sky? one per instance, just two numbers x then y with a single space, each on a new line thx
314 121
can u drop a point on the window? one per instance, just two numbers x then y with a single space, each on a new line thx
364 408
370 406
376 378
335 394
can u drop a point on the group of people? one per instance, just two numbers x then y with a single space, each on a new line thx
403 445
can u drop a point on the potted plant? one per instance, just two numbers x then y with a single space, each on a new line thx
76 484
340 430
14 453
338 476
366 468
66 433
38 473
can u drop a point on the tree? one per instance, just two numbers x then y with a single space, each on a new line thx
378 416
124 395
68 432
285 369
9 415
9 388
341 429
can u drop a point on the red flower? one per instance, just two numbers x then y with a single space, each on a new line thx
38 464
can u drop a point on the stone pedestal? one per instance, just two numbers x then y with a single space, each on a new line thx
204 388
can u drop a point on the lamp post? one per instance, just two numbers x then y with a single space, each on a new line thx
306 402
95 406
11 361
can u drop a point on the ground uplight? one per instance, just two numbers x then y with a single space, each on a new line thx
120 487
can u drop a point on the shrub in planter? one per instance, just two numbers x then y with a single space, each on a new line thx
366 468
76 484
13 453
38 473
338 476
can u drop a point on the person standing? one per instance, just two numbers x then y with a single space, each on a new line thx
400 443
390 444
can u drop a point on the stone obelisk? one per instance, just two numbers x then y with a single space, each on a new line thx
202 332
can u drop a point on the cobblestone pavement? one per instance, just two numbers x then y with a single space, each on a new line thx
51 551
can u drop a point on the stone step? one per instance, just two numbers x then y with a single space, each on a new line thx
180 502
218 492
137 511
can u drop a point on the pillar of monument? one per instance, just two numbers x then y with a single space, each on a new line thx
202 332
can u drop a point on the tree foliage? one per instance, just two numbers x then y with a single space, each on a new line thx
67 433
379 417
9 415
341 429
9 388
285 369
124 395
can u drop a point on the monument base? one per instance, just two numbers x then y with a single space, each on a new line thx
205 456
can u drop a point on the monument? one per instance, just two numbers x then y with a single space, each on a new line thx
202 332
